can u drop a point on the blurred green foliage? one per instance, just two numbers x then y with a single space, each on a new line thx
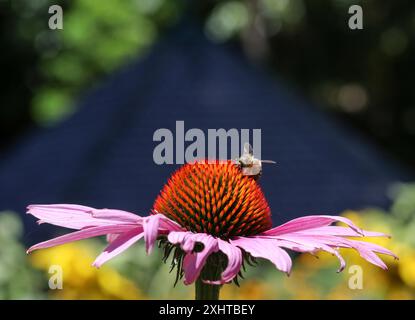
18 279
97 38
363 76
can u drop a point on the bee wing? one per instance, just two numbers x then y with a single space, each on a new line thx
268 161
248 148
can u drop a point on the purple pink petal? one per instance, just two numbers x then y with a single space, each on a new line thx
123 229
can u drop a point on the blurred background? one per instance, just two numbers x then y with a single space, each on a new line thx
79 106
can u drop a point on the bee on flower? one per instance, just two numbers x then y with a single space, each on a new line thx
211 218
250 165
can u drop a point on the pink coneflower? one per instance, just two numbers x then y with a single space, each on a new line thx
213 219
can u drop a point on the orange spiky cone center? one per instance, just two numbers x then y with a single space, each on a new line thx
215 198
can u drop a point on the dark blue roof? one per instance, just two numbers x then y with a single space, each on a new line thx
102 155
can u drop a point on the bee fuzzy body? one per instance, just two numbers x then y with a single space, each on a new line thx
250 165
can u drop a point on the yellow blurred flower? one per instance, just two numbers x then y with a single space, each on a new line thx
406 267
254 289
400 293
396 283
355 216
80 279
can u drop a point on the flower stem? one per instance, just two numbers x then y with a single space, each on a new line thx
206 291
211 271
